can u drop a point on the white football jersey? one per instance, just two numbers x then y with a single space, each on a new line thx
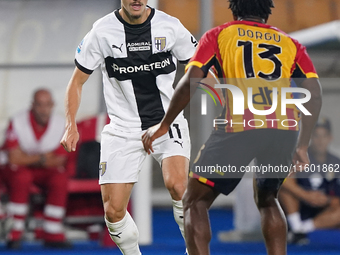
138 63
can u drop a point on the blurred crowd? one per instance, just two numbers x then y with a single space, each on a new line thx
32 162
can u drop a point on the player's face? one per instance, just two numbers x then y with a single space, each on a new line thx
42 107
134 11
321 138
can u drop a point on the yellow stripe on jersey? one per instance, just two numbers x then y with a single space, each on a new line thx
308 75
312 75
193 63
198 64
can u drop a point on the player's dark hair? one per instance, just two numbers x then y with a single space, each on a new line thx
255 8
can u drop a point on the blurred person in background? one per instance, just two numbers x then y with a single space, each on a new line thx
3 162
35 156
311 199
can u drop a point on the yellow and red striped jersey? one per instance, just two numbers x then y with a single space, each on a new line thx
250 54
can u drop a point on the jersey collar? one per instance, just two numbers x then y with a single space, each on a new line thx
251 23
152 13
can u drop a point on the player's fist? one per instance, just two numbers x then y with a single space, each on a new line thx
70 139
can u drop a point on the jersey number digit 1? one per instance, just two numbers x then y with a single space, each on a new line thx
270 54
176 126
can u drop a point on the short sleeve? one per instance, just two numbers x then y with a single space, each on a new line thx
205 55
88 55
304 67
185 44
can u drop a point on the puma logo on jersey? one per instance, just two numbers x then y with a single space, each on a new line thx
180 143
116 235
116 47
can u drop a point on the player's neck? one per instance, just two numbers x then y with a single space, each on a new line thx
134 20
252 18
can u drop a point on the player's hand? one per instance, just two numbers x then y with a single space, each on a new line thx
316 198
301 158
70 139
151 134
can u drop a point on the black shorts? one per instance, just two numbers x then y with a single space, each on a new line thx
223 159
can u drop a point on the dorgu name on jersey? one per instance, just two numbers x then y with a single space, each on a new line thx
142 68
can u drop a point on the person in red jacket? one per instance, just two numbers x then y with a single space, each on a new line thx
36 157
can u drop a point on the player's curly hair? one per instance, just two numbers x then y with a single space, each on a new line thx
246 8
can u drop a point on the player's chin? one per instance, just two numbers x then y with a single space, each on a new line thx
136 15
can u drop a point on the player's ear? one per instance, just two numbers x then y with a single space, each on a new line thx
235 17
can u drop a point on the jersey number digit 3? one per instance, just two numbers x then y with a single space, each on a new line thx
270 54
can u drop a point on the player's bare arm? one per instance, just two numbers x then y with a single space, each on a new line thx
72 102
308 122
178 102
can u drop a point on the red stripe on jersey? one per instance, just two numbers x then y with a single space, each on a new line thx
201 179
210 183
229 128
248 115
272 116
290 115
204 54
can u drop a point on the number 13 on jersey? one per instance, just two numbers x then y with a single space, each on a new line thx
269 53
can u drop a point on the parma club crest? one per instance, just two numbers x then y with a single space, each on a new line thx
102 168
160 43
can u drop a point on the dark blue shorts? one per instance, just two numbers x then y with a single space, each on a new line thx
234 151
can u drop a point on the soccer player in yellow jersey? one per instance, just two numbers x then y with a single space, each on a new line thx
274 128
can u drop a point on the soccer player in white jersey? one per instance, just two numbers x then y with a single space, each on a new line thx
137 48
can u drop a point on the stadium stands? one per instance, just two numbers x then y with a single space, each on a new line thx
289 15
